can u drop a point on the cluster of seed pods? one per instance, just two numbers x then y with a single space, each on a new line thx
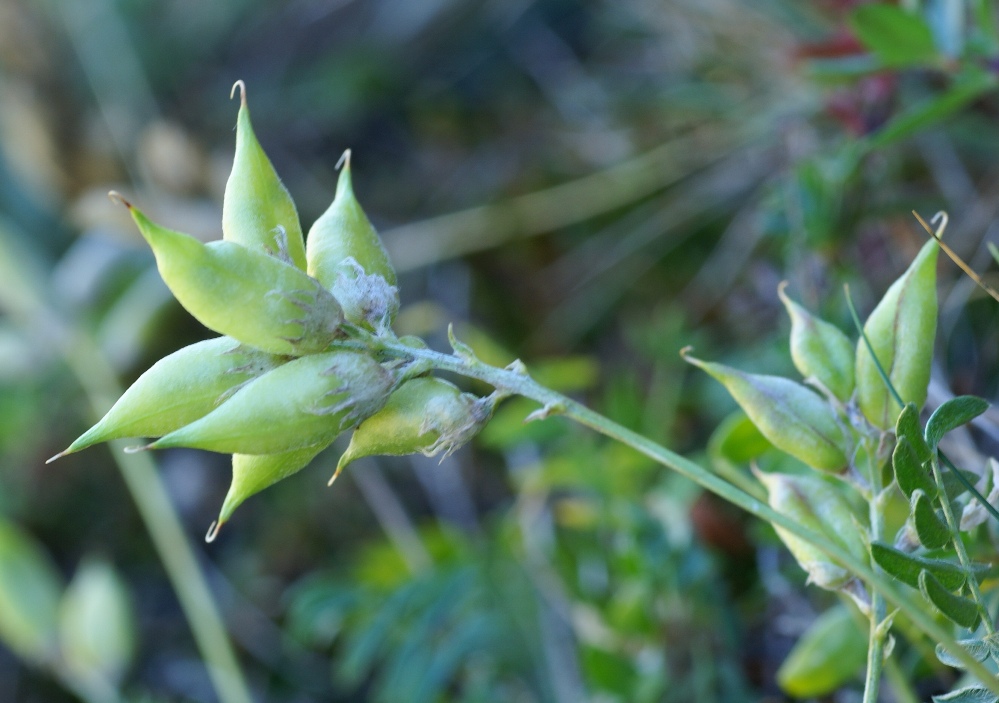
277 388
824 428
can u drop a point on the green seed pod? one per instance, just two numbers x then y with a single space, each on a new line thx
828 655
243 293
177 390
426 415
901 330
257 210
794 419
306 402
345 254
817 504
820 350
252 474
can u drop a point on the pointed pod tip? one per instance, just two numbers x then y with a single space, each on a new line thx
213 531
119 199
782 291
242 92
57 456
341 465
344 161
136 450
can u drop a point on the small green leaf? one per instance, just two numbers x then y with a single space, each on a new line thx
933 532
906 568
979 649
971 694
951 415
909 472
826 656
896 36
908 426
960 610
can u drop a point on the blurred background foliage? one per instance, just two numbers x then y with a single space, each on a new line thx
589 186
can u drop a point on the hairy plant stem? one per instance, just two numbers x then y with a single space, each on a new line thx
962 553
514 380
877 635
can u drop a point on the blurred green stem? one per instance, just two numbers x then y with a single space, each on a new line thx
514 380
878 632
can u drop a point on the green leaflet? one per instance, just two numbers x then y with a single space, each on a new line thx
257 210
901 330
960 610
908 426
244 293
969 694
897 36
177 390
932 530
909 472
820 350
304 403
951 415
906 567
980 649
794 419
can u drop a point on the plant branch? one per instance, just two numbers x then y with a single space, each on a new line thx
877 633
514 380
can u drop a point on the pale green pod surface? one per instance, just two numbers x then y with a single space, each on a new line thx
828 655
178 389
243 293
97 624
257 210
816 504
820 350
901 330
30 589
253 473
426 415
346 255
794 418
306 402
